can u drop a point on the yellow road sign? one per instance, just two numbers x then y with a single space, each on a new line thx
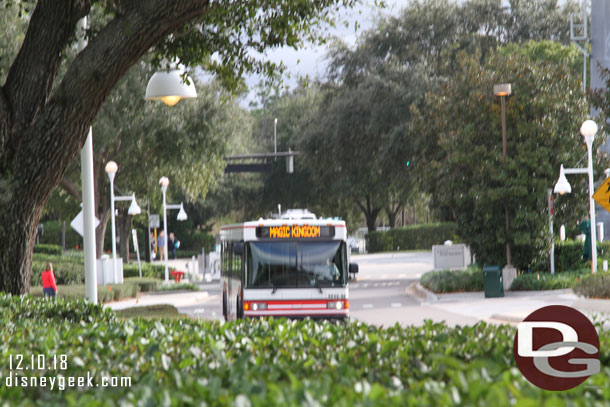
602 195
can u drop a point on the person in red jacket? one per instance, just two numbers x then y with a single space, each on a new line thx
48 281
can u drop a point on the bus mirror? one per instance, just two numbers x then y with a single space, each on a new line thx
238 248
353 268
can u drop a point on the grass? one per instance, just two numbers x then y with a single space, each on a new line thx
151 312
548 281
113 292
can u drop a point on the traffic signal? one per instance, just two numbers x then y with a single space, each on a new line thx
408 163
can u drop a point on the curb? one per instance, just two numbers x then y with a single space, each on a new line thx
421 294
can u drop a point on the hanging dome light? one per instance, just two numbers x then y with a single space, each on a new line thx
169 87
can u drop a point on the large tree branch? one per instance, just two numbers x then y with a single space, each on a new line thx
60 129
31 76
71 188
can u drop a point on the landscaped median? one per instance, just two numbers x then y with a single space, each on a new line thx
265 362
471 279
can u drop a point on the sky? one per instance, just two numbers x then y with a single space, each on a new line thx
311 60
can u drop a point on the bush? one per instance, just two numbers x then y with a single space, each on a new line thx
67 270
148 270
52 235
18 308
48 249
568 254
272 362
418 237
447 281
177 287
594 285
547 281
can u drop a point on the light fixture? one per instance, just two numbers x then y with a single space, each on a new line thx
562 186
164 182
181 214
588 130
134 208
502 89
170 88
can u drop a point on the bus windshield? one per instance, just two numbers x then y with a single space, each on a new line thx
296 264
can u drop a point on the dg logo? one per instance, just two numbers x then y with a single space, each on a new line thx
556 348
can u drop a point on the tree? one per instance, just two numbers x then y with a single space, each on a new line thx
44 117
461 151
148 140
355 147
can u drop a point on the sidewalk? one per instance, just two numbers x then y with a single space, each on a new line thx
179 299
513 308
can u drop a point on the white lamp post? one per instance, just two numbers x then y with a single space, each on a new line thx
588 130
164 182
134 209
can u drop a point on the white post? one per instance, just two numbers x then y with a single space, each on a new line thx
86 158
164 189
111 176
275 137
549 194
592 207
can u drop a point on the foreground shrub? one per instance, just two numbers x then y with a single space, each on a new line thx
417 237
594 285
547 281
19 308
447 281
283 363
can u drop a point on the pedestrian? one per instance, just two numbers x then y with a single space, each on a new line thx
161 244
153 246
173 244
585 228
48 281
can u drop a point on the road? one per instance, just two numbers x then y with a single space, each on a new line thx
377 296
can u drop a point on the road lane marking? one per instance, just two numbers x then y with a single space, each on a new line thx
367 306
396 305
199 311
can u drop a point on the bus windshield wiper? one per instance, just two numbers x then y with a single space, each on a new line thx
274 288
318 286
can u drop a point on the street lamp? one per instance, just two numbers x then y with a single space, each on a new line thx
134 209
503 90
588 130
169 87
164 182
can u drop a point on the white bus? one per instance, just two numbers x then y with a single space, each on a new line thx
295 266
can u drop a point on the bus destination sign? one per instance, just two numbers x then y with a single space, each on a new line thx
295 232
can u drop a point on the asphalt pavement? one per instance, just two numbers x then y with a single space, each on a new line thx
386 292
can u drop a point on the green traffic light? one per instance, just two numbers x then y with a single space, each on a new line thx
408 163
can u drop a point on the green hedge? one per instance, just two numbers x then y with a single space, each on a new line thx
594 285
52 235
67 269
447 281
418 237
548 281
148 270
568 255
130 288
273 362
54 249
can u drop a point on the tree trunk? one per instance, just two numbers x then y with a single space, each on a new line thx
18 230
43 124
392 212
124 223
370 213
100 232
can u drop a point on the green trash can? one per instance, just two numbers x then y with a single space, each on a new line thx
492 282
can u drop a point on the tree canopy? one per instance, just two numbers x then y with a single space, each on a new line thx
44 115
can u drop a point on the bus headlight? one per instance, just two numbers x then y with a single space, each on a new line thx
258 306
337 304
